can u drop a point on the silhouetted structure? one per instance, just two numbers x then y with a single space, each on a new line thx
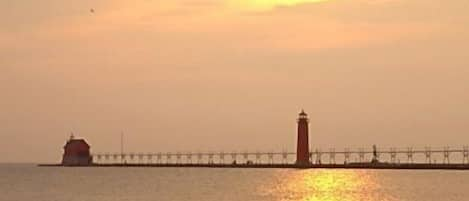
302 149
76 153
375 158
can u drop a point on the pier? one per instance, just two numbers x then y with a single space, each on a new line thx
77 153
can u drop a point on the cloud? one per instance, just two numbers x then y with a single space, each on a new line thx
383 11
210 26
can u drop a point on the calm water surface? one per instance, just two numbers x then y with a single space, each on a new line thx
30 183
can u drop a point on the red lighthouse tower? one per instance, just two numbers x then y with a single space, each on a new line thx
302 148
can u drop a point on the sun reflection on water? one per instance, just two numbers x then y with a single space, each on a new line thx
326 185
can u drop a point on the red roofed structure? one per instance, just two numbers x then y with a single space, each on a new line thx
76 153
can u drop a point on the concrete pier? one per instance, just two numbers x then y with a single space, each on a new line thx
289 166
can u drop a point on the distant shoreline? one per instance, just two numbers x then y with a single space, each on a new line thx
25 163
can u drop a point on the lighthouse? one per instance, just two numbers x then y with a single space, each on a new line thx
302 149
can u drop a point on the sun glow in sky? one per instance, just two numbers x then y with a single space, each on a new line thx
269 4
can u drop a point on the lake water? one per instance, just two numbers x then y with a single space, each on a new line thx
30 183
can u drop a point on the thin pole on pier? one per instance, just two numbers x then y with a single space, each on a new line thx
122 147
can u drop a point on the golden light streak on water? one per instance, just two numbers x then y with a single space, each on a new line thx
327 185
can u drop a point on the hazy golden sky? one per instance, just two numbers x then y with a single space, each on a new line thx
228 75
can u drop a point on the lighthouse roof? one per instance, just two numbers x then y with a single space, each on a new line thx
303 113
77 142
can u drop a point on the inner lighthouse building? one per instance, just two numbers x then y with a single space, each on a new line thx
76 153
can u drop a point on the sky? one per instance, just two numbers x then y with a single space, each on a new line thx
232 75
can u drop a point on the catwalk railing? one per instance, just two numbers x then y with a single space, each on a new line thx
427 155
